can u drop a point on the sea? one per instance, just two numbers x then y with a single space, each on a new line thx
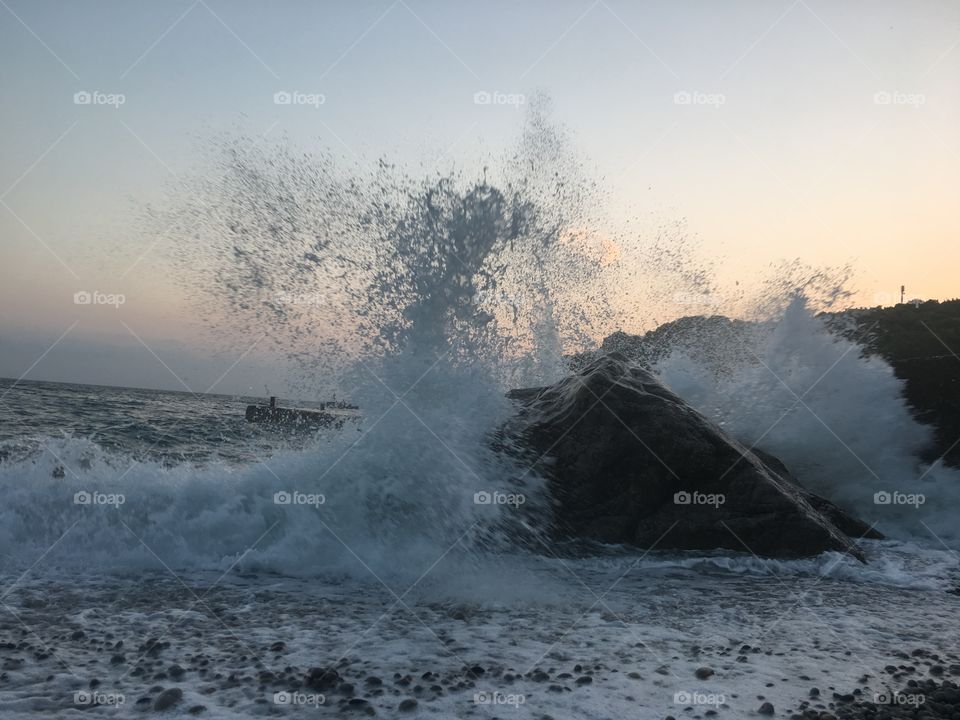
157 549
160 555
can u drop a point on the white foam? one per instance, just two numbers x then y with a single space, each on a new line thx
838 421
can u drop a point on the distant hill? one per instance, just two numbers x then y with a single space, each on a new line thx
706 337
921 341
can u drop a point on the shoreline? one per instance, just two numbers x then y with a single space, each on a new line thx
654 645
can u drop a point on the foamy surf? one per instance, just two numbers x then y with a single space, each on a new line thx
372 570
580 641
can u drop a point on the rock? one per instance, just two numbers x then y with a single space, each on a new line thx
702 673
848 525
407 705
167 699
628 462
766 709
320 678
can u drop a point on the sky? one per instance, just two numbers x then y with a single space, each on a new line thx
822 131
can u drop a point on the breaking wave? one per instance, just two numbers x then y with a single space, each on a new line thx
424 300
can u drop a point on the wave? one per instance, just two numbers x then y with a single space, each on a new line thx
835 416
424 301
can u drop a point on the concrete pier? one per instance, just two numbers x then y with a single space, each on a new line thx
324 416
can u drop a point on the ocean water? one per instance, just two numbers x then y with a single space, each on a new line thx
162 426
156 548
184 571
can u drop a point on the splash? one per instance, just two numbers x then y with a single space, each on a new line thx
423 299
835 416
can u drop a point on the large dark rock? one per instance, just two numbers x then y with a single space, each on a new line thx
623 454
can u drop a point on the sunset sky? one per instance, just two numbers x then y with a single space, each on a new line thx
823 131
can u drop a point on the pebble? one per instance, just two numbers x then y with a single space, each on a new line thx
320 678
167 699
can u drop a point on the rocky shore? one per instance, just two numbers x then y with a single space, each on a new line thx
650 640
629 462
